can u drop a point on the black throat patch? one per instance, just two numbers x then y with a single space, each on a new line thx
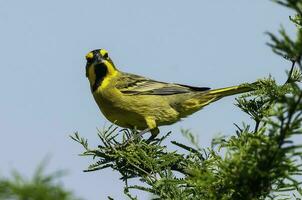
101 71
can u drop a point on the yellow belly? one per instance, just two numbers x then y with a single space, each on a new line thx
130 111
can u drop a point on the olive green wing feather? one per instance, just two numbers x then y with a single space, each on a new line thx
138 85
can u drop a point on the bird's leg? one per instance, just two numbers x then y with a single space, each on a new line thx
151 123
134 137
151 128
140 134
154 133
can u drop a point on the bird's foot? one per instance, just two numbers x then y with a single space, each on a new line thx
134 137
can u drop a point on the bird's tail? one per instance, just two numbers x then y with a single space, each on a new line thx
204 98
211 96
223 92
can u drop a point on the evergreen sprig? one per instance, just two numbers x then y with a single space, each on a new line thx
285 46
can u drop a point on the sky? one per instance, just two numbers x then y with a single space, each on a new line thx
45 96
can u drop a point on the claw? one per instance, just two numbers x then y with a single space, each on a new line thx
134 137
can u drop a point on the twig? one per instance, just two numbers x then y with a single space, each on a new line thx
290 72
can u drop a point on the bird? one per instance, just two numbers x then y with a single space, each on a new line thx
137 102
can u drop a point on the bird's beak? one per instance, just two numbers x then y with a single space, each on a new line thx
98 59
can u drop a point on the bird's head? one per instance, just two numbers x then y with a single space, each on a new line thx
98 67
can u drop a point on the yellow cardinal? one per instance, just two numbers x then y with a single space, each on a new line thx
133 101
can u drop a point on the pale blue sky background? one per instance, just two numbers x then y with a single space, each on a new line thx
45 95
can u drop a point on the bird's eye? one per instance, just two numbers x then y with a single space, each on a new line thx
105 56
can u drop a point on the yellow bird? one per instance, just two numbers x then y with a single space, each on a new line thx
133 101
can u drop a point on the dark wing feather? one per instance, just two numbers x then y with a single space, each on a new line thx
133 84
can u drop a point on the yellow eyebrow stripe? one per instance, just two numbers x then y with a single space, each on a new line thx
89 55
103 52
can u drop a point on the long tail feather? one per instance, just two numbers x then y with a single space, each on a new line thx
216 94
222 92
204 98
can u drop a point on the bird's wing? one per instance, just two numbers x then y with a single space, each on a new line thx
137 85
